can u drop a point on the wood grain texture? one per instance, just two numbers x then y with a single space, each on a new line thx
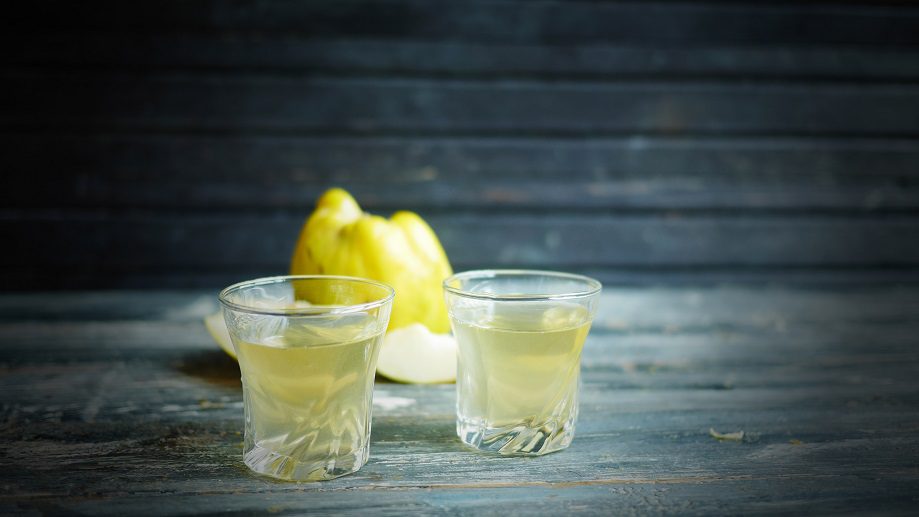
182 143
126 392
106 246
638 23
183 102
168 172
305 54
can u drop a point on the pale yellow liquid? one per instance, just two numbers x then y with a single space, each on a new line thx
519 365
308 393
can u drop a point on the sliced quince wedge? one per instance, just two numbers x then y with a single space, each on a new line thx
415 355
218 328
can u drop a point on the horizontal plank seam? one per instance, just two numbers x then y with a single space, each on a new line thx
745 86
671 211
883 10
485 133
785 141
560 77
492 485
510 214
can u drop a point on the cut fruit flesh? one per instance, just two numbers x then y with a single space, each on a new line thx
217 326
413 354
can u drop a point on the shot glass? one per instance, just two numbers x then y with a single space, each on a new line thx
519 335
307 349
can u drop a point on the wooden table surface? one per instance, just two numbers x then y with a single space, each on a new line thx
119 403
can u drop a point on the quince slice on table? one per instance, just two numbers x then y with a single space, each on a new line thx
218 328
415 355
341 239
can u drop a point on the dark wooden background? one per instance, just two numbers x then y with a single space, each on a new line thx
182 143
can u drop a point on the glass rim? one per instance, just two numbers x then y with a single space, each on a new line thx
594 285
304 311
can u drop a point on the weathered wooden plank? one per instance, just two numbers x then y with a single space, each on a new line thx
146 327
424 451
712 339
170 387
667 325
271 53
644 339
151 413
687 499
664 23
193 171
623 310
184 443
173 389
94 306
132 244
715 359
199 102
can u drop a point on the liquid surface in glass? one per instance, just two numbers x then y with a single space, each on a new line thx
308 393
518 372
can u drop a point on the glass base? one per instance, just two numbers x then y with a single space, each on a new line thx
520 439
269 463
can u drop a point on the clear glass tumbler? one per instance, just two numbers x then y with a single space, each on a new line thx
307 349
519 335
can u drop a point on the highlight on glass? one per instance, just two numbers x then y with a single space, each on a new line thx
519 335
307 349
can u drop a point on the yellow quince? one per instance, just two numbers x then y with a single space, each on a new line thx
341 239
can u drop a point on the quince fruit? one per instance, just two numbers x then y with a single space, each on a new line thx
341 239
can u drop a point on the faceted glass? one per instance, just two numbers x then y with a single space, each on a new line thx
307 349
519 335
